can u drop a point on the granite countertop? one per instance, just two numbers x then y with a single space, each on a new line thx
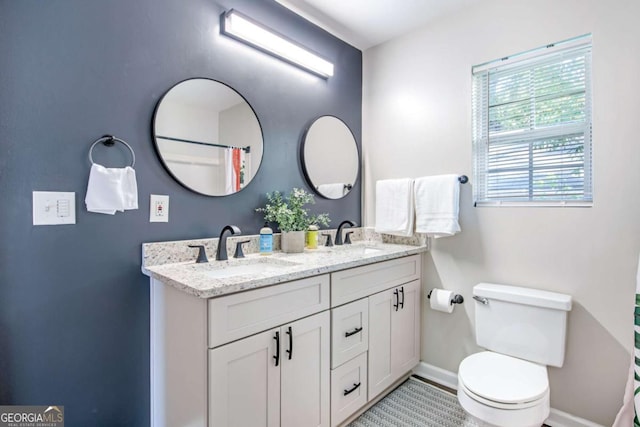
217 278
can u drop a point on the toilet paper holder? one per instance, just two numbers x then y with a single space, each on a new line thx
456 299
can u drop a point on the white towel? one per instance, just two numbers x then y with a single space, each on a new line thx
437 203
111 190
394 206
332 191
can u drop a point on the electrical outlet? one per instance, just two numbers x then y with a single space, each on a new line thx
54 208
159 208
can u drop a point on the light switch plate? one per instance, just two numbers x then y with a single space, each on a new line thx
54 208
159 208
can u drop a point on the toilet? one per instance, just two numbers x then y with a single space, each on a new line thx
523 331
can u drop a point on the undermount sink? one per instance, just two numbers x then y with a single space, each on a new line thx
369 250
223 269
358 249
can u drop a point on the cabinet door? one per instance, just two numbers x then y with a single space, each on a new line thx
405 330
244 383
381 306
305 372
394 335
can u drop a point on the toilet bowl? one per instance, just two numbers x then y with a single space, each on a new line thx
503 391
524 331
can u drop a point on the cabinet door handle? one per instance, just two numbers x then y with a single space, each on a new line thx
402 302
355 331
397 303
290 351
277 356
354 388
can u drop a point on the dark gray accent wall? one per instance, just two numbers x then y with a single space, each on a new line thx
74 307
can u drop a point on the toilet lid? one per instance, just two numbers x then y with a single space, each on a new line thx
503 379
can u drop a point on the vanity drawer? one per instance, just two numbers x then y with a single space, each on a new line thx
344 379
349 331
355 283
239 315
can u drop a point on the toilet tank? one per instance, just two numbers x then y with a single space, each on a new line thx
526 323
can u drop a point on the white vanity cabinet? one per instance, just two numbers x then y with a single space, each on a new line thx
303 353
376 334
276 378
281 376
212 360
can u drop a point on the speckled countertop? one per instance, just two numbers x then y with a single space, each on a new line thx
164 261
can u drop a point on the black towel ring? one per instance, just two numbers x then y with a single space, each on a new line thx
109 141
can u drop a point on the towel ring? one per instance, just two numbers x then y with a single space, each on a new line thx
109 141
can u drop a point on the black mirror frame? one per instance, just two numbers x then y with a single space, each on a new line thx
305 171
157 147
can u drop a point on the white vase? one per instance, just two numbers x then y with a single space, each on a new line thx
292 241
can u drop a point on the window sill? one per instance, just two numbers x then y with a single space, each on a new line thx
537 204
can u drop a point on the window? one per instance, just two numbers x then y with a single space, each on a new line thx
532 127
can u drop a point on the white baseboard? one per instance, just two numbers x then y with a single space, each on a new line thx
437 375
449 379
557 418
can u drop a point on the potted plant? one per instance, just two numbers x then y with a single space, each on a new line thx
292 217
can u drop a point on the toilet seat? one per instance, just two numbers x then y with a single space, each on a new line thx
503 382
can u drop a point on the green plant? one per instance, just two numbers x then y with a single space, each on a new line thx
289 212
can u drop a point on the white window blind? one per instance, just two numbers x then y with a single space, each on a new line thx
532 127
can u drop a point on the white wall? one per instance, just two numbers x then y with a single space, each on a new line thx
330 152
417 121
239 128
199 167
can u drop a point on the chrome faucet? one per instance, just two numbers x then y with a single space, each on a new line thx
339 232
221 252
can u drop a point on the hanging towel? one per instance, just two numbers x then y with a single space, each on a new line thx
629 414
228 172
111 190
437 200
394 207
332 191
236 168
234 159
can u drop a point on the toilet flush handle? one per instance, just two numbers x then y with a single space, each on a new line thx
481 300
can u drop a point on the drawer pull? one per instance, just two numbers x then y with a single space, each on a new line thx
290 351
397 303
402 302
354 388
277 356
355 331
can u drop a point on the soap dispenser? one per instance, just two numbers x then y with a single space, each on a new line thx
266 240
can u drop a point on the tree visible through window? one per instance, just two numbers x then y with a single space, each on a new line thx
532 126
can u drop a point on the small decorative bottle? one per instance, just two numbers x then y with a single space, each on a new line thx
266 240
312 237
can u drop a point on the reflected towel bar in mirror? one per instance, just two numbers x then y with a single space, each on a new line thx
209 144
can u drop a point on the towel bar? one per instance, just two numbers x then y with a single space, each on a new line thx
463 179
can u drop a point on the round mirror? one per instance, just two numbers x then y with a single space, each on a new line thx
330 157
208 137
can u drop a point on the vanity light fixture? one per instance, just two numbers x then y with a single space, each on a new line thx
246 30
